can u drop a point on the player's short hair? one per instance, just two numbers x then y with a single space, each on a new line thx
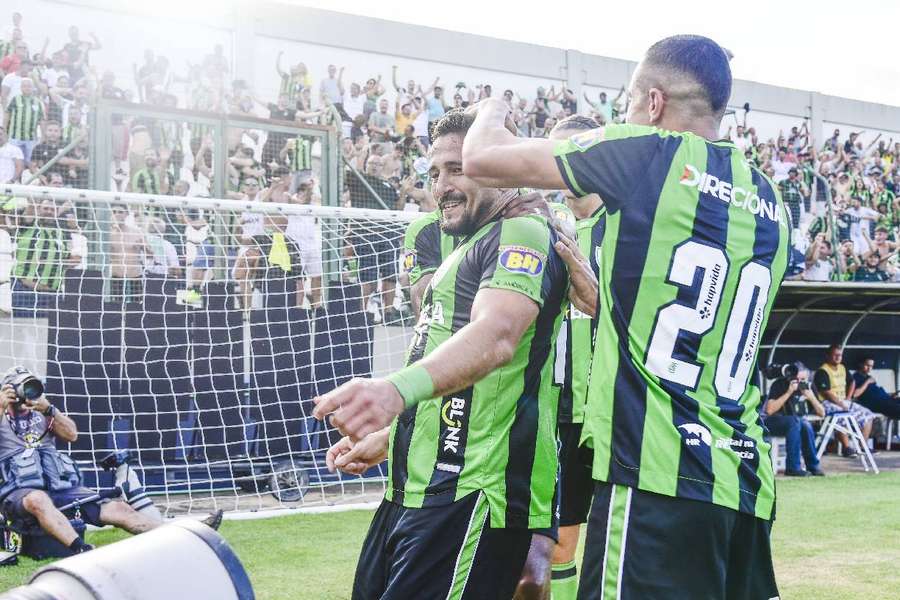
699 58
576 123
453 121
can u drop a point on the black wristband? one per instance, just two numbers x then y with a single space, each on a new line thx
51 410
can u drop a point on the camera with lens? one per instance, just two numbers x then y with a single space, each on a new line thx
777 371
802 386
26 384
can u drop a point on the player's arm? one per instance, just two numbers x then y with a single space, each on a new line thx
494 157
422 246
417 291
499 319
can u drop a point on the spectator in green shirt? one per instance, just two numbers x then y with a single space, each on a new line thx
41 259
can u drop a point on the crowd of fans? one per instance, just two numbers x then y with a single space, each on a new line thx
843 198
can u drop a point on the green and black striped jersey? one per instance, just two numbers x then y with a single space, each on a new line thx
575 345
40 252
425 246
24 114
693 255
498 436
300 155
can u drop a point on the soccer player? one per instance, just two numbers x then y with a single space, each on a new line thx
693 255
472 444
574 347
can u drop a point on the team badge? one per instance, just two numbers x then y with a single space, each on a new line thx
409 260
589 138
520 259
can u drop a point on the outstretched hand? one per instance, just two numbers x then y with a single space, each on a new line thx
360 407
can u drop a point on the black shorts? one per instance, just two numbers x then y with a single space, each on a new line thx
14 510
575 484
643 545
439 552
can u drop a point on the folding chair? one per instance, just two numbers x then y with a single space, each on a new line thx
843 422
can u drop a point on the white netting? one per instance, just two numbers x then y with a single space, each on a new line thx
132 309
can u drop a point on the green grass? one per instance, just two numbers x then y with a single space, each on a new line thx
836 537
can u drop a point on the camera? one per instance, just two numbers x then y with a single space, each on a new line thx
25 383
802 386
776 371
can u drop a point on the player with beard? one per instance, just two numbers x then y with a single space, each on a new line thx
471 445
694 252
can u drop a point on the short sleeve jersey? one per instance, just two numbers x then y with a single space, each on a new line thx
694 252
425 246
497 436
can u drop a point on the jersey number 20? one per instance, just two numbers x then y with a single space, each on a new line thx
742 332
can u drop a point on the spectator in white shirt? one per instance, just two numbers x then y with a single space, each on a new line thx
781 166
860 218
354 105
819 265
12 161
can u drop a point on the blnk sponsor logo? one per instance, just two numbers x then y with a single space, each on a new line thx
726 192
694 434
451 414
743 448
520 259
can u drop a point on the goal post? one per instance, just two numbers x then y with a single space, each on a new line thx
172 336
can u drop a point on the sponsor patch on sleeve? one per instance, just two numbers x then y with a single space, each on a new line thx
589 138
521 259
409 260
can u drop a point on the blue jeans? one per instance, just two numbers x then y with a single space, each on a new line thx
799 437
26 146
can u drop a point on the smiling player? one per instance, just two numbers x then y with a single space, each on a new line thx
472 450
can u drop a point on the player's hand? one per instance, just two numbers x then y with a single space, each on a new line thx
7 397
519 205
360 406
583 285
494 104
357 458
792 386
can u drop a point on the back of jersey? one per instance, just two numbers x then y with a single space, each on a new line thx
694 252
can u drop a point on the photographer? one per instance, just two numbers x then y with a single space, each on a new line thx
35 477
783 414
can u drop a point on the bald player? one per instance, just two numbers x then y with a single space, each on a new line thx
694 252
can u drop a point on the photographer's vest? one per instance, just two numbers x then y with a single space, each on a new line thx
28 456
837 377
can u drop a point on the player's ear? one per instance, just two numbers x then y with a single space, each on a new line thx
656 102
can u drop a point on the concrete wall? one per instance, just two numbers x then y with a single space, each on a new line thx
253 32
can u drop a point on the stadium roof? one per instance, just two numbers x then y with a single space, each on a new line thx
841 297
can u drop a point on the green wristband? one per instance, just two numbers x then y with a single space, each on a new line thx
414 384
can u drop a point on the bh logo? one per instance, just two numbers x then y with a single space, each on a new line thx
519 259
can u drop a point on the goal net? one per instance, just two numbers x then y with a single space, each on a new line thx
191 335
